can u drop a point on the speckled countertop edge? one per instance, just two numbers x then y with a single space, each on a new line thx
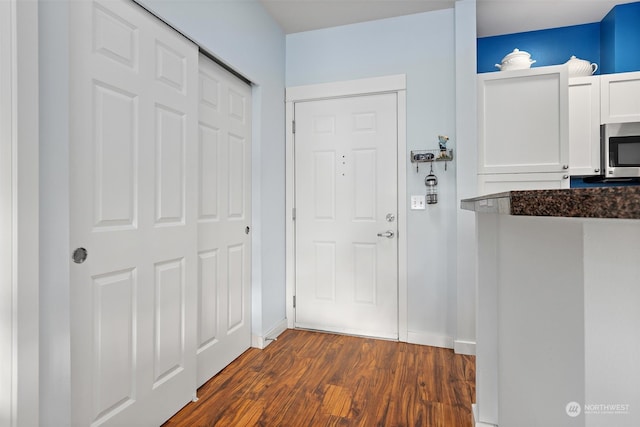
600 202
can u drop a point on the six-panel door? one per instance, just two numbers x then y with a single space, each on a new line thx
224 213
143 182
346 209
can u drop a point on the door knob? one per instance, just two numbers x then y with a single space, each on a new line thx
388 234
79 255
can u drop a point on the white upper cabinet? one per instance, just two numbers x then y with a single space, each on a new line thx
620 95
523 121
502 182
584 125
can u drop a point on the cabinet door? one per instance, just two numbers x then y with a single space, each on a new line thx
523 121
620 98
501 182
584 125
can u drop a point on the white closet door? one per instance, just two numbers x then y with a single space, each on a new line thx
224 218
133 152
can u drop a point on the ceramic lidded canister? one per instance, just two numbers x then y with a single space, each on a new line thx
580 67
516 60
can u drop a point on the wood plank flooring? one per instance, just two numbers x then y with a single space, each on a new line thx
317 379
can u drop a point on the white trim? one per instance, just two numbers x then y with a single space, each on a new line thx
262 341
474 413
431 339
403 231
386 84
7 303
290 246
19 336
347 88
464 347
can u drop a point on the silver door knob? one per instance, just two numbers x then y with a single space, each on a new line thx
565 167
387 234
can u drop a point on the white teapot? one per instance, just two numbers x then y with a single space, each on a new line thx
516 60
580 67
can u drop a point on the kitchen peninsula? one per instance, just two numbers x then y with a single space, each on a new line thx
558 312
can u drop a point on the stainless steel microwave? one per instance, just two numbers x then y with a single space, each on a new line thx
621 150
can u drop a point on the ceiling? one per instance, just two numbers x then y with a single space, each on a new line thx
494 17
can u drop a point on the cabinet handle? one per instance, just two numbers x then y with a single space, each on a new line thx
565 167
565 176
596 170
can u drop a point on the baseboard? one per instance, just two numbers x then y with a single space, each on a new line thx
464 347
272 334
426 338
474 413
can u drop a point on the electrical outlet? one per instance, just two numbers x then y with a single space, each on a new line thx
417 202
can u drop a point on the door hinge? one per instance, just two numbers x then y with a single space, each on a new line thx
294 301
293 214
293 126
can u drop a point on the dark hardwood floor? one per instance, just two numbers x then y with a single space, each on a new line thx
316 379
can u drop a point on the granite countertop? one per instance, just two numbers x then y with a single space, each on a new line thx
599 202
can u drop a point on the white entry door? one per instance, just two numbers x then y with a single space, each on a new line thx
224 218
133 155
346 209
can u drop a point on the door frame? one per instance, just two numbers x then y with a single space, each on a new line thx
19 214
370 86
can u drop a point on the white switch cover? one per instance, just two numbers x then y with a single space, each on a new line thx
417 202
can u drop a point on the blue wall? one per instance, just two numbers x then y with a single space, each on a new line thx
620 39
613 43
607 43
547 47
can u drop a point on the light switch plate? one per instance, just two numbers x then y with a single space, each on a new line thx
418 202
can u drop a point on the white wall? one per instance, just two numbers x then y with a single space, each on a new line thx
466 170
422 47
55 382
558 321
245 37
611 321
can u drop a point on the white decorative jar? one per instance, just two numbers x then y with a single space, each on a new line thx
580 67
516 60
